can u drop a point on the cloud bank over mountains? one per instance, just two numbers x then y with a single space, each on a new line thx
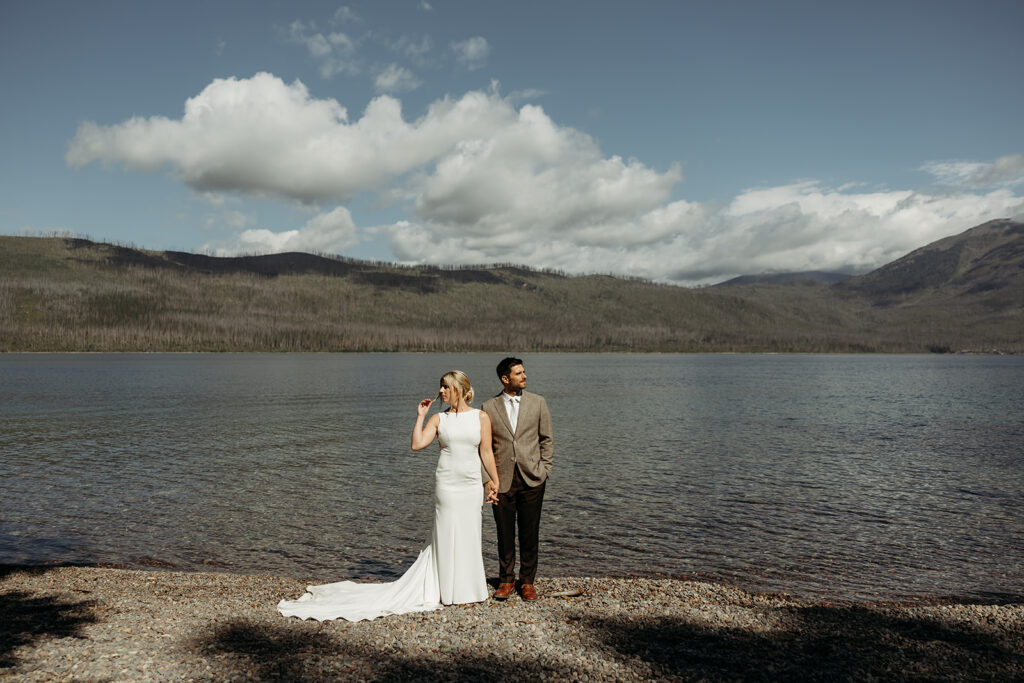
1005 171
483 180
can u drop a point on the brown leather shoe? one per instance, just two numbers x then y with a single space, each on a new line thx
503 591
527 592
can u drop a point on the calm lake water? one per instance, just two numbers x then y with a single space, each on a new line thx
843 477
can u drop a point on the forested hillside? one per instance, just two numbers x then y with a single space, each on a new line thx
57 294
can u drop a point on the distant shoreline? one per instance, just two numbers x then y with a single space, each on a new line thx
117 624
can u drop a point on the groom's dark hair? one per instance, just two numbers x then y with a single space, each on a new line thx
506 365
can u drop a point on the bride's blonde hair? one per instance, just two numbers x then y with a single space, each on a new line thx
458 387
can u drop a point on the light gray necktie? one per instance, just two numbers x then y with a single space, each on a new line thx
514 418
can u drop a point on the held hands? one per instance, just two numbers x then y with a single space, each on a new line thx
492 492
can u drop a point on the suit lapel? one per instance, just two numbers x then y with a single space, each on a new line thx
499 408
525 404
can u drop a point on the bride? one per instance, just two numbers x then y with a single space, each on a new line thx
450 570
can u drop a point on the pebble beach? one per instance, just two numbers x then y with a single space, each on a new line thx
110 624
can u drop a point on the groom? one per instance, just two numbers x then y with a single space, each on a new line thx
523 451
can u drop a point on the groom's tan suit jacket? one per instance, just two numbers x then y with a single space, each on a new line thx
532 446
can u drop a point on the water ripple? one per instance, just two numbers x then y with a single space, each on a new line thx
857 477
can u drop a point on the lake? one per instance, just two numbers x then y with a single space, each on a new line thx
830 476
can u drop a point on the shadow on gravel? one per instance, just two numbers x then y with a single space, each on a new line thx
819 643
25 618
309 653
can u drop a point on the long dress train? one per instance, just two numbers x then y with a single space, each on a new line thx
449 570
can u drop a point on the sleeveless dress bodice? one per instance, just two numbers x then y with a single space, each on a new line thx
459 463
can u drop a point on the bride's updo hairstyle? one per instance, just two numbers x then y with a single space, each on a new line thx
458 386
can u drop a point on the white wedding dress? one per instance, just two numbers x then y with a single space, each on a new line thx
450 570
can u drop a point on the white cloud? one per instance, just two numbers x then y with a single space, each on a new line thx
334 52
396 79
340 42
263 137
534 175
1004 171
790 228
425 6
416 50
330 232
472 53
486 181
338 53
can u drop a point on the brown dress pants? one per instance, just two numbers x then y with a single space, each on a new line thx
520 506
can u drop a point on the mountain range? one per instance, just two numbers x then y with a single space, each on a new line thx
983 266
961 293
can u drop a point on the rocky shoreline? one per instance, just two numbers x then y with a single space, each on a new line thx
104 624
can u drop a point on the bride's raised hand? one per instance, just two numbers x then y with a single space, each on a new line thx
423 407
425 429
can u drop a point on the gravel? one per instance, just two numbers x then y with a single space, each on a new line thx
105 624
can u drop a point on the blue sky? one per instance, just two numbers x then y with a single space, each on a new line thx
685 142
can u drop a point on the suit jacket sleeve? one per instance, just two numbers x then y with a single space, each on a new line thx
546 438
